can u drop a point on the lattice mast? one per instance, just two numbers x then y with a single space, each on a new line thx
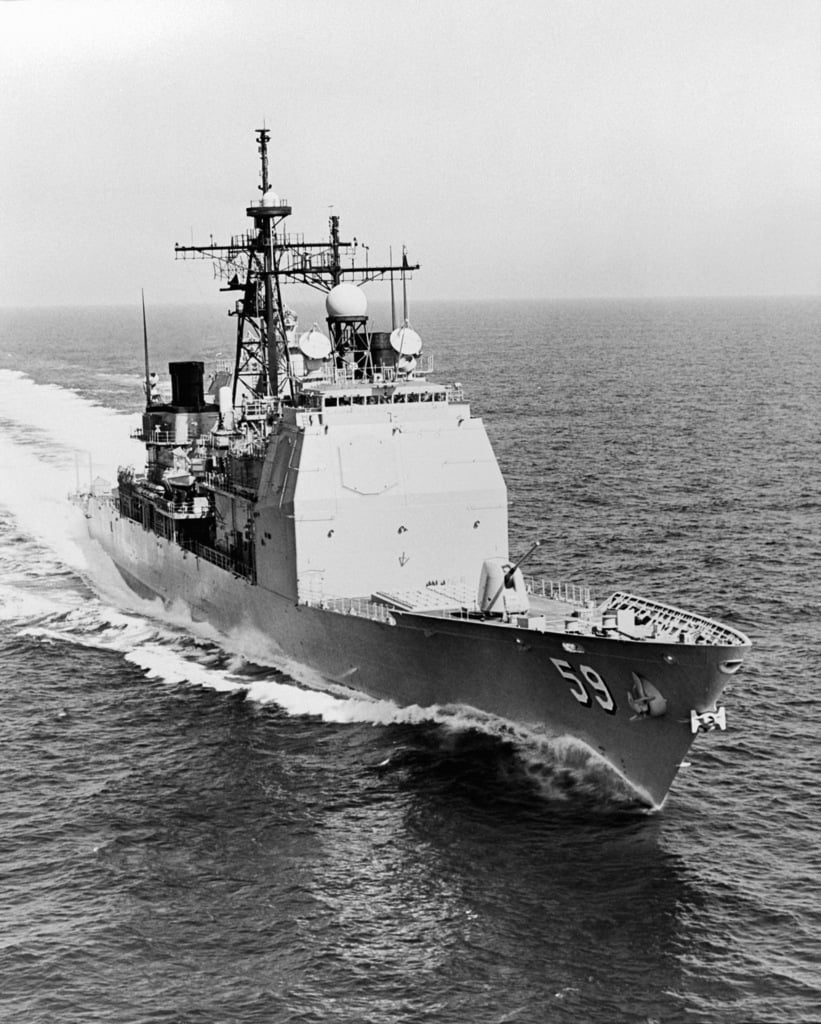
270 327
249 265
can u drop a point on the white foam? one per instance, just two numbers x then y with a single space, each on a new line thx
18 604
162 662
51 440
70 423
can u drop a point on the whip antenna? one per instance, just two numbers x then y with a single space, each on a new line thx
145 349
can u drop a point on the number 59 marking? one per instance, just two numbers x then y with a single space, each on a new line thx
594 681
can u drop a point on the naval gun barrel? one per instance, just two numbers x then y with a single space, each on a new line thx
509 574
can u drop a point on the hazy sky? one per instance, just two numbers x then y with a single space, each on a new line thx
527 148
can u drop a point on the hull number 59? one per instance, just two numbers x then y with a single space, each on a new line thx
590 682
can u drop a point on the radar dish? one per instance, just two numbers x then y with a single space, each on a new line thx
314 344
406 341
346 301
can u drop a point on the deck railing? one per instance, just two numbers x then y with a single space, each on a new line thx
156 436
219 558
358 606
572 593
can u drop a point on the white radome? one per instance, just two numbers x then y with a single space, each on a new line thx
406 341
346 300
314 344
270 198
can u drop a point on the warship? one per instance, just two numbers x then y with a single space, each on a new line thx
325 495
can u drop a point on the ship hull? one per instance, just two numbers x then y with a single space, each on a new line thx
547 682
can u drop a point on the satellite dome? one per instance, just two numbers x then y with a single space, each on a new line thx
346 300
314 344
406 341
270 198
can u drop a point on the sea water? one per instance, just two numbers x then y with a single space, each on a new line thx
186 835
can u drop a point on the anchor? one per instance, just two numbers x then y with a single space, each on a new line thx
645 699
